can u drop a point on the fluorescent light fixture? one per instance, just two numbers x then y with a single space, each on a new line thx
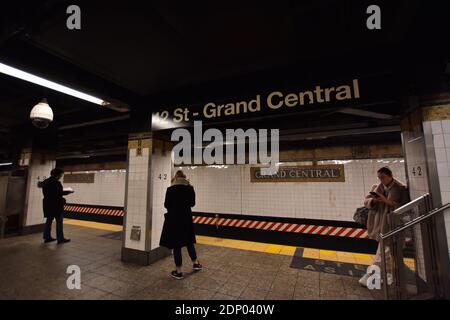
11 71
6 164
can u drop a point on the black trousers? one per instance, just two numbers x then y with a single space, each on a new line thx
59 228
177 254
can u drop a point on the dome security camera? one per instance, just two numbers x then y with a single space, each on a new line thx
41 115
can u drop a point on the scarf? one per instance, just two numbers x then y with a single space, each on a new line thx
180 181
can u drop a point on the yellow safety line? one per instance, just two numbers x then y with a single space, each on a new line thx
94 225
329 255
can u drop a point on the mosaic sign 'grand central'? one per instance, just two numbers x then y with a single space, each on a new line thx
319 173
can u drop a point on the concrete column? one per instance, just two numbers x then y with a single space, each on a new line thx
162 172
39 167
437 131
426 142
148 175
39 158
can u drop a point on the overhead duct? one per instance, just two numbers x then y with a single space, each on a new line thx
94 122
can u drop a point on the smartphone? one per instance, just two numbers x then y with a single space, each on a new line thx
374 194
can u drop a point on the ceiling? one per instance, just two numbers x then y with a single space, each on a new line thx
149 53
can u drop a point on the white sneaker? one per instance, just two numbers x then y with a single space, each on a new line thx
390 279
363 280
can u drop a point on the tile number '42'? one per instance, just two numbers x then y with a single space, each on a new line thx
162 176
417 171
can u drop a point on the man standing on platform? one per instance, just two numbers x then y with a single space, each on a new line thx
53 205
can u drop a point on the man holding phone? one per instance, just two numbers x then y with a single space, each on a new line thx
384 198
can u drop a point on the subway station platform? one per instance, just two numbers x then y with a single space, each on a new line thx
30 269
313 134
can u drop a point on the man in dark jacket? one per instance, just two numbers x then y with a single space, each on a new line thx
53 205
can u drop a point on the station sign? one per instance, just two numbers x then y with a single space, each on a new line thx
318 173
288 99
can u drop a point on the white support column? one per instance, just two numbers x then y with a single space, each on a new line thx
426 142
148 174
437 123
161 176
39 164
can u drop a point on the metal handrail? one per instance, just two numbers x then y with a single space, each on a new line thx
414 221
416 203
429 214
410 205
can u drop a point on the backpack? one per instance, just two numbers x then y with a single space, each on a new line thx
361 215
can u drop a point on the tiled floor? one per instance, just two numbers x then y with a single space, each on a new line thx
30 269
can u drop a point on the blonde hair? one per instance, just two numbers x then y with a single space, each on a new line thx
179 174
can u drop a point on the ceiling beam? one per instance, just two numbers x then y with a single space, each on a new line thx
366 113
337 133
94 122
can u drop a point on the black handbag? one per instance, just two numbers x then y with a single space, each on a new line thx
361 215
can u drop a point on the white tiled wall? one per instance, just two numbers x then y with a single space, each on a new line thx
108 189
162 172
37 171
136 211
418 184
227 189
441 139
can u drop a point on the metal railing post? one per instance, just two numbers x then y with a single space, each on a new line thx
433 255
426 221
3 220
383 269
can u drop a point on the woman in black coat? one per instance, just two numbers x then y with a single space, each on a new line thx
178 229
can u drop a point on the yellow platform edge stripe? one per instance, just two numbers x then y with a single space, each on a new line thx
328 255
94 225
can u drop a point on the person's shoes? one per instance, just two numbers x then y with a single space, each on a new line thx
177 275
363 280
49 240
197 267
390 279
63 241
